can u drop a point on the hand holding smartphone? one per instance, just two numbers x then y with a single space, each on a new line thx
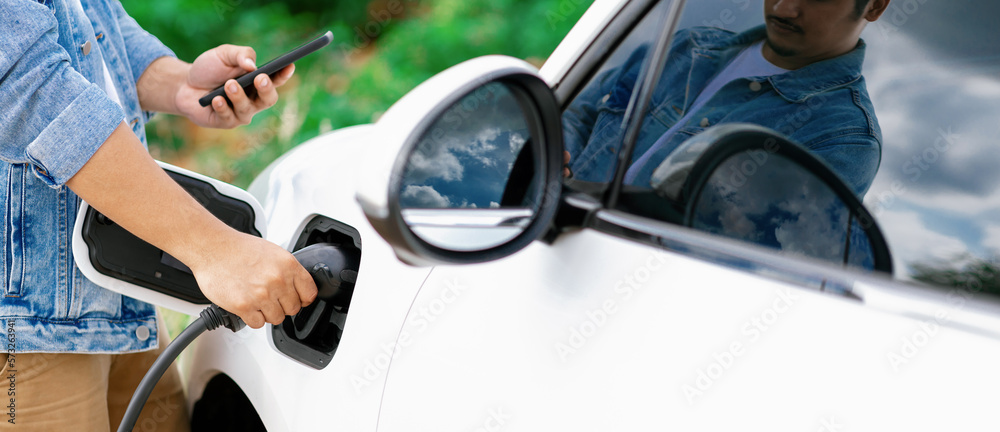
270 68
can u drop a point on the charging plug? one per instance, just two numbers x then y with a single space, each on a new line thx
332 268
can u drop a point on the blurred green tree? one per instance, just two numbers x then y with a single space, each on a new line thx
381 50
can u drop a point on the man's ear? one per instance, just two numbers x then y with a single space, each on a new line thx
876 9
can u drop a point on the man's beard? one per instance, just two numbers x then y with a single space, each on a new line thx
780 50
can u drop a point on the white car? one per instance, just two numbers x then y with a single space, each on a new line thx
481 291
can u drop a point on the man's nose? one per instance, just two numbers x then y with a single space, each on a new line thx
787 8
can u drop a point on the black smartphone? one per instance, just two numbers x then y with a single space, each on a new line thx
270 68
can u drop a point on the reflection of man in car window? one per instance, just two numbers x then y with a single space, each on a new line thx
799 74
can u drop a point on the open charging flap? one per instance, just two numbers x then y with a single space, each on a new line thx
115 259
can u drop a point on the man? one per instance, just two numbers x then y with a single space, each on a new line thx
799 74
78 81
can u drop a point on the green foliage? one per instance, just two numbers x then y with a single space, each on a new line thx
381 50
972 274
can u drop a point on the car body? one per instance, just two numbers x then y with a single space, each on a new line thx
610 321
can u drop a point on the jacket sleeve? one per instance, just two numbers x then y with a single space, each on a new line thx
52 117
581 116
854 157
141 47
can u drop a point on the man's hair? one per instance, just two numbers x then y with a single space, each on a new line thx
859 7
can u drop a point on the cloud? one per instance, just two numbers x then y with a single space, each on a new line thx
912 241
423 197
433 163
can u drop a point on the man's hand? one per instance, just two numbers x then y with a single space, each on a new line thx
254 278
172 86
567 173
220 65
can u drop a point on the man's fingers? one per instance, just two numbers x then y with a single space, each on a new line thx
242 106
283 75
223 112
305 287
267 96
254 319
238 56
273 312
289 301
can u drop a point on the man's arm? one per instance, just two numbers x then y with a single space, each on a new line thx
854 157
246 275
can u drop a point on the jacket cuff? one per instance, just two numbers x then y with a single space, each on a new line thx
69 141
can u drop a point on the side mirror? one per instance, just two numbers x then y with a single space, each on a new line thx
750 183
115 259
475 177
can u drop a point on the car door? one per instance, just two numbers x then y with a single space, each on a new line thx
630 322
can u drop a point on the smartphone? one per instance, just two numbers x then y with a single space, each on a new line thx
270 68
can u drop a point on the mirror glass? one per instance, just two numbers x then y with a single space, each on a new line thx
470 182
779 204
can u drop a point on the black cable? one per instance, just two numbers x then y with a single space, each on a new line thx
211 318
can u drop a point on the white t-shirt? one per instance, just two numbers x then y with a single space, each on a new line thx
748 63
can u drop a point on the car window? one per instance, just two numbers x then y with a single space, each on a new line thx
594 122
913 137
933 72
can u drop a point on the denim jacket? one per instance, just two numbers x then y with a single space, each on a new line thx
823 106
54 118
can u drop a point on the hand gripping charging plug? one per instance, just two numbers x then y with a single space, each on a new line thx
330 269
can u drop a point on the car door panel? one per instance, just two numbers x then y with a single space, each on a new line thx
566 337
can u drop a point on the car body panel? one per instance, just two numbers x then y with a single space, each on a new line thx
521 343
566 342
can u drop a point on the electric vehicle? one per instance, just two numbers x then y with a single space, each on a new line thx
489 292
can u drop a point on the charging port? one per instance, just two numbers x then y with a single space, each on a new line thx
331 251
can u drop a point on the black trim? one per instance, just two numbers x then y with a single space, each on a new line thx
739 141
652 68
737 255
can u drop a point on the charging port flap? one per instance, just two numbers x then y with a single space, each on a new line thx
115 259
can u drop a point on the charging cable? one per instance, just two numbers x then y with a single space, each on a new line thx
211 318
332 269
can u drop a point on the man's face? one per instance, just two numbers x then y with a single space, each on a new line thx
805 31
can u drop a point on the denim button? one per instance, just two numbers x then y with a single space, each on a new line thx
755 86
142 333
85 47
704 122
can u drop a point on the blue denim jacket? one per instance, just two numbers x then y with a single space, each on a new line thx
53 120
823 106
